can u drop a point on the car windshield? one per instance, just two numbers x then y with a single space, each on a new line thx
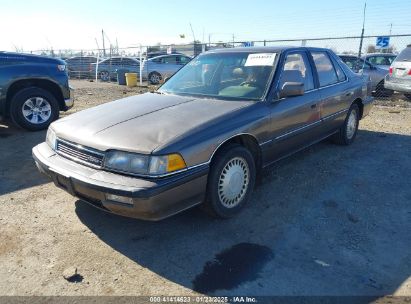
239 75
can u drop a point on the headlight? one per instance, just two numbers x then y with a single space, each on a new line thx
61 67
143 164
51 138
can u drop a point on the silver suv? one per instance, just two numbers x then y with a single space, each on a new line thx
399 76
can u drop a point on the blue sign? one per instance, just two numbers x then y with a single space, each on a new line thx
248 44
382 42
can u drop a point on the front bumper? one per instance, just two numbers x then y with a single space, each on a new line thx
150 199
69 102
399 85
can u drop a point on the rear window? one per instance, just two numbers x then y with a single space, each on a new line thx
405 55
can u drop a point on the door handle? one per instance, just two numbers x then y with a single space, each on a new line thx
313 106
349 94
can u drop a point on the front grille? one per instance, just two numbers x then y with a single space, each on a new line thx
80 154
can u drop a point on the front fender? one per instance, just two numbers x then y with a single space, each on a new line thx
200 144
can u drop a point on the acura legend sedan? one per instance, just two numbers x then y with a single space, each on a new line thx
204 134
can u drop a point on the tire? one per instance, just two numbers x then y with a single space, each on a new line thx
347 133
232 172
104 75
34 108
154 77
408 96
381 91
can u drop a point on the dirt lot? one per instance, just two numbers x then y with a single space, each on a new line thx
328 221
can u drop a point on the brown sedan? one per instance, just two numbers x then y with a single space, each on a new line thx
204 135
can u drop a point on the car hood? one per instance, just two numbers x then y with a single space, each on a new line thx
30 58
141 123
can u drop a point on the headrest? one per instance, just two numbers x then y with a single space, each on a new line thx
238 72
292 76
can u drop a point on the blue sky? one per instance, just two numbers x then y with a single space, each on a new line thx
75 24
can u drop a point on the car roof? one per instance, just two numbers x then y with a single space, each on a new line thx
347 55
380 54
121 57
272 49
166 55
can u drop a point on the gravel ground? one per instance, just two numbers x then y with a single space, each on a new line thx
329 220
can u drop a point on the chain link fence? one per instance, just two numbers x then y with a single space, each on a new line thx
158 62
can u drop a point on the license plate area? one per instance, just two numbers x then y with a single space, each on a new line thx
64 183
400 72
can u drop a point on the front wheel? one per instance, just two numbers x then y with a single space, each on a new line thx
348 131
34 108
230 182
154 78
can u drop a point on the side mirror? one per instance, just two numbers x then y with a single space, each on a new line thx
290 89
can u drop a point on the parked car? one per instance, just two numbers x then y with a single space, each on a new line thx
375 73
381 60
80 66
107 69
161 67
33 89
399 77
203 136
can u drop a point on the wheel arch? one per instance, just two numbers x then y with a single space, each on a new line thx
360 105
246 140
44 84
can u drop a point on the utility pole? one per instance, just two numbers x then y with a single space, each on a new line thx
390 29
233 39
194 37
104 48
362 32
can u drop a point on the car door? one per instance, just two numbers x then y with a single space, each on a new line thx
170 65
131 65
294 120
334 89
113 65
183 60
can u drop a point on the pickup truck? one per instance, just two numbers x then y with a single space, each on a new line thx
33 89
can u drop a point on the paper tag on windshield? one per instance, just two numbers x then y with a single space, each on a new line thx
262 59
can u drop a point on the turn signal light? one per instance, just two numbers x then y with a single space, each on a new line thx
175 162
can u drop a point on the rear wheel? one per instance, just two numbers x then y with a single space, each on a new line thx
231 181
348 131
154 78
34 108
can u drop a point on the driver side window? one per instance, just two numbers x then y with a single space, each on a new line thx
297 69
